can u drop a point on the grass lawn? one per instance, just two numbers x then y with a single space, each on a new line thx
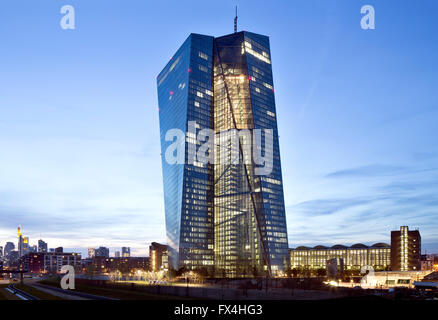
2 296
115 293
37 293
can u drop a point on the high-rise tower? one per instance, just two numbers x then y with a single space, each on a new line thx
126 252
42 246
20 242
227 213
405 249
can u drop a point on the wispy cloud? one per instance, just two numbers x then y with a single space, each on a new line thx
319 207
387 197
373 170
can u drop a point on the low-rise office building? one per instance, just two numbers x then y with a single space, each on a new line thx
427 262
354 257
404 254
53 262
98 264
43 262
158 256
391 279
405 250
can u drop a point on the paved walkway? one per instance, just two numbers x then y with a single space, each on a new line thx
61 295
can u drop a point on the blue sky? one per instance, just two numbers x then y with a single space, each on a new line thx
79 136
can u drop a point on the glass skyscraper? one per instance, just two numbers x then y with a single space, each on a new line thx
227 215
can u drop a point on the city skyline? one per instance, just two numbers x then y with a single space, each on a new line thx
40 245
113 251
357 111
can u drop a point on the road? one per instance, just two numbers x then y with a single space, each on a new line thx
19 293
63 295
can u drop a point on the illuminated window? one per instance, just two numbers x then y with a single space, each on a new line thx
247 47
203 55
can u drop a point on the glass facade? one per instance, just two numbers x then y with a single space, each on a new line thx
183 87
223 214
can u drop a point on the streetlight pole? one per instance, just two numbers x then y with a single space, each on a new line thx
187 285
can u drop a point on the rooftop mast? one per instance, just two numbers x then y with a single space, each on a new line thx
235 22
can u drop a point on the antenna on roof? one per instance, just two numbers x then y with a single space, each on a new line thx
235 22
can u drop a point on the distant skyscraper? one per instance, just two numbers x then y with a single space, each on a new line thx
1 251
8 248
20 243
227 215
23 243
126 252
117 254
26 246
12 257
42 246
405 250
102 252
91 252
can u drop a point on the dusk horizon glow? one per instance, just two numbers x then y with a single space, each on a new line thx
79 129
